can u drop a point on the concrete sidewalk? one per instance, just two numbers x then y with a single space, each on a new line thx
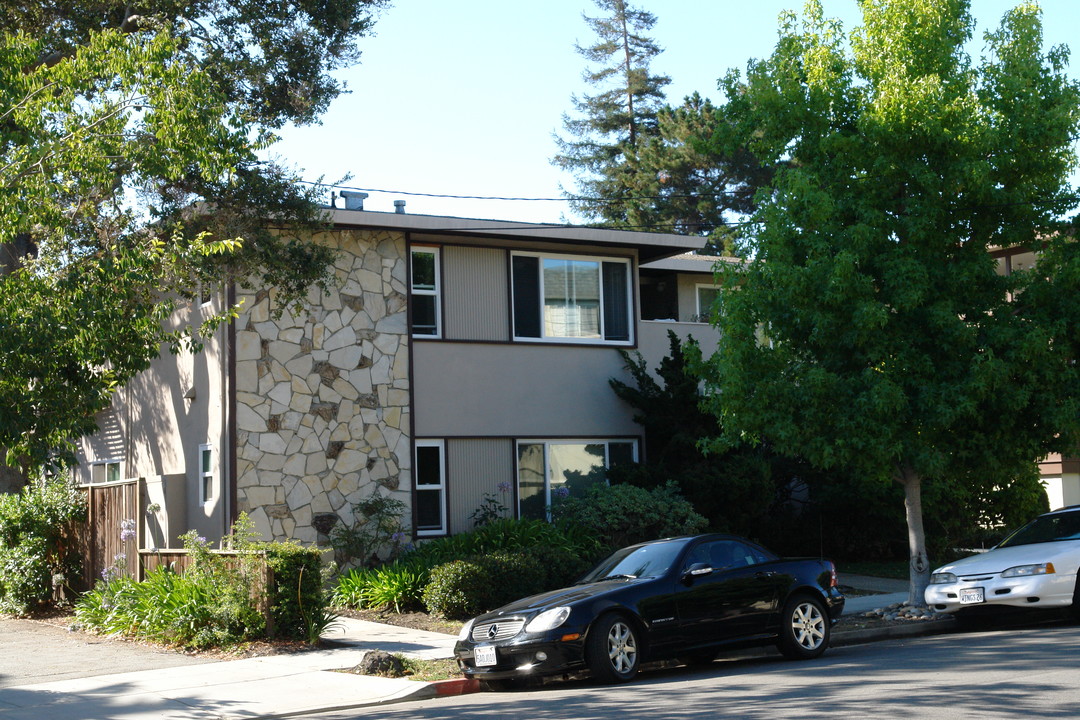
296 684
887 591
266 687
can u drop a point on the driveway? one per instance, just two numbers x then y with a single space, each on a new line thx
37 651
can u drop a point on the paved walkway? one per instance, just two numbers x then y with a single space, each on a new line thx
276 686
887 591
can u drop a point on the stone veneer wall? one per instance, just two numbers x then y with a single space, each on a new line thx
323 399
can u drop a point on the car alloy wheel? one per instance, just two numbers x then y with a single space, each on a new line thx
612 651
804 631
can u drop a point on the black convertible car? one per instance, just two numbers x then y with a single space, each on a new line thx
685 597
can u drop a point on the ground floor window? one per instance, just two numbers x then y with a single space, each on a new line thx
429 472
103 471
206 474
549 469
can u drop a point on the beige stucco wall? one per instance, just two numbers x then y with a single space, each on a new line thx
323 397
518 390
158 421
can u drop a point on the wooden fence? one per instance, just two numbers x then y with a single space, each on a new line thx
99 540
101 545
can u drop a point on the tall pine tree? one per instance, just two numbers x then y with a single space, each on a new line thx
603 142
639 163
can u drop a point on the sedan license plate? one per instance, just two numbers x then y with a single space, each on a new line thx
484 655
970 596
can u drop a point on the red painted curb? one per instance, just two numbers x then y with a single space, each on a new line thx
457 686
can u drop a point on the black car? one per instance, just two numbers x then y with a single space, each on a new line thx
686 598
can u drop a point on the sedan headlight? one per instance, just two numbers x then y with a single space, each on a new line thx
1026 570
465 630
942 578
548 620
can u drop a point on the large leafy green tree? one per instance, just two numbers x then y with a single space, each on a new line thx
130 141
872 329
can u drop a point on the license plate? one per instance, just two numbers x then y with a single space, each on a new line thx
484 655
969 596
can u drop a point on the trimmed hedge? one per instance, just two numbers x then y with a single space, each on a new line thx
463 588
296 594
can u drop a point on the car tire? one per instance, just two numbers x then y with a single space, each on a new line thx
804 628
1074 610
613 649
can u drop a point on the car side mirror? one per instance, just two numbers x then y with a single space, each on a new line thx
696 570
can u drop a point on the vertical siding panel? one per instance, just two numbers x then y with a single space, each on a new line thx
475 294
475 467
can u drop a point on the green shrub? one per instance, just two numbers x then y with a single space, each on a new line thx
34 552
463 588
375 535
298 601
220 599
498 536
399 586
621 515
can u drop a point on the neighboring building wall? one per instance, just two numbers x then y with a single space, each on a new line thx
156 425
1061 476
323 398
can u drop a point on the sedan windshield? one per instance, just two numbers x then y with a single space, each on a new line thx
1048 528
650 560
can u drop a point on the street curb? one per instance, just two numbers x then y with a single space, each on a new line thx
455 686
912 629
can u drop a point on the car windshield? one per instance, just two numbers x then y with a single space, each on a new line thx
1048 528
641 561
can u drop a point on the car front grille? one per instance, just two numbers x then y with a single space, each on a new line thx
499 630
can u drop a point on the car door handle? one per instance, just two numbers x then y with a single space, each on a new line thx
766 574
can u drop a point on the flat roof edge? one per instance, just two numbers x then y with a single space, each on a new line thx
661 244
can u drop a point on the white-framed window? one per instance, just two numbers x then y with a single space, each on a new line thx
429 485
105 471
206 293
424 288
206 474
571 298
707 296
548 469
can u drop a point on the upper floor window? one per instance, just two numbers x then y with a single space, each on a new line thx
707 296
424 286
571 298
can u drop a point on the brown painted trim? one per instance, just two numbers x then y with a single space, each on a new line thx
412 384
1059 466
231 513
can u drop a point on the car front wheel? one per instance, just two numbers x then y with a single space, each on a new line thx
612 650
804 628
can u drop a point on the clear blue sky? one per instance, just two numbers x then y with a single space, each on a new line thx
462 98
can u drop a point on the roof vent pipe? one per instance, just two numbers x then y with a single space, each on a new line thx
399 207
354 200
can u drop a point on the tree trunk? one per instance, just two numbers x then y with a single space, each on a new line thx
918 563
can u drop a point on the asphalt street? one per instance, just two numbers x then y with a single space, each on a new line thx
1031 672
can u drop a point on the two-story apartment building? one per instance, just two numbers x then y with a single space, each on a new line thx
455 359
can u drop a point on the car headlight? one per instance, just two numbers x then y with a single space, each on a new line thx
942 578
465 630
1026 570
548 619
